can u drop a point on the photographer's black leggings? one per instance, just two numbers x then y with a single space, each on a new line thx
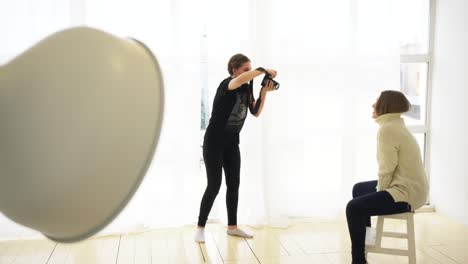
218 156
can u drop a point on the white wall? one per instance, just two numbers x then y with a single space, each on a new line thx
449 141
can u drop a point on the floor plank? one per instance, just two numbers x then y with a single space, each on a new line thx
459 253
94 250
231 248
266 245
439 240
35 251
11 250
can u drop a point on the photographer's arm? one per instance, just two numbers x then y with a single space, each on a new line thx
257 105
248 76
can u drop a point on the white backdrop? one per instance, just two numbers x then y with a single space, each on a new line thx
315 137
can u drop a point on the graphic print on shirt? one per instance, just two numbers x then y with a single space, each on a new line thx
238 113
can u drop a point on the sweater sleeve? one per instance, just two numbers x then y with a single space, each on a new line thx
387 156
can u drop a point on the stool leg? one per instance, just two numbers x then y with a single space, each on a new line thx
379 229
380 223
411 239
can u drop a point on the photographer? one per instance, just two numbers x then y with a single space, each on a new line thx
221 141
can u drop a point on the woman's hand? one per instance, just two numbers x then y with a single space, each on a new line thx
267 88
271 72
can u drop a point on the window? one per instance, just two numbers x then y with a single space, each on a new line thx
415 31
413 83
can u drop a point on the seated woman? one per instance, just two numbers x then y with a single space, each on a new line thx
402 184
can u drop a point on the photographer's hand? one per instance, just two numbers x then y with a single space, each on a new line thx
272 72
256 106
267 88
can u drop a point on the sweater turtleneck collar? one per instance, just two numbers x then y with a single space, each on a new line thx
388 118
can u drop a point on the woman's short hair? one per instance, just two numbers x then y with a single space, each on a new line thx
391 101
236 62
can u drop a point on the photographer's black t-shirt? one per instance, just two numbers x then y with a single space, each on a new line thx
230 109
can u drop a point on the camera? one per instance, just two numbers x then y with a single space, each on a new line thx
267 78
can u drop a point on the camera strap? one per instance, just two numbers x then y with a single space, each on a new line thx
255 108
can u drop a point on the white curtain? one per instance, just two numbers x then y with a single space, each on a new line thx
24 22
172 30
315 137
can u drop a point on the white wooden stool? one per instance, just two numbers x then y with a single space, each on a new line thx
409 235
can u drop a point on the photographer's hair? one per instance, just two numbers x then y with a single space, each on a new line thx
236 61
391 102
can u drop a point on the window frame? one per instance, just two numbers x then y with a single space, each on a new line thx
425 58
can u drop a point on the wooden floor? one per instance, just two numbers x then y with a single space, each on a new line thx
438 240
